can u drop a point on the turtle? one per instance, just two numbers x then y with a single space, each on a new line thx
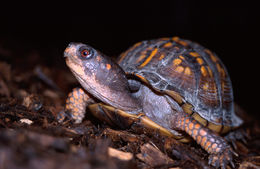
172 86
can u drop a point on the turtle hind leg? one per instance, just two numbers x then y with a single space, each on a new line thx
221 154
76 104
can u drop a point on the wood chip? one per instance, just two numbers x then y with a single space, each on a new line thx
125 156
27 121
153 156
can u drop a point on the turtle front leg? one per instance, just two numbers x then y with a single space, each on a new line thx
76 104
220 151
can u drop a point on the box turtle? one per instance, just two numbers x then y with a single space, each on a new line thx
170 85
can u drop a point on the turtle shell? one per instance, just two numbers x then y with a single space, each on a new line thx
193 75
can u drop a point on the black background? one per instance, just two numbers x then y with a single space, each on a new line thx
230 30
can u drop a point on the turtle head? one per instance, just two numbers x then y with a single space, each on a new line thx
100 76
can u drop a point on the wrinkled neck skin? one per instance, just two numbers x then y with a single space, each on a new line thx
105 81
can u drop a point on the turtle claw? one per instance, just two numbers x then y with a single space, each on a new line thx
222 159
236 135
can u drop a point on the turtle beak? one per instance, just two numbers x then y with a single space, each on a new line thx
70 50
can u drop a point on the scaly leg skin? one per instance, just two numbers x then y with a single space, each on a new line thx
220 152
76 104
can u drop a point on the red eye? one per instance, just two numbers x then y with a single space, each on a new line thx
85 53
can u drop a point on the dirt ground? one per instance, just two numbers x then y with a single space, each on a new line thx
30 136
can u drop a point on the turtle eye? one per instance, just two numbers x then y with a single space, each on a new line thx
85 53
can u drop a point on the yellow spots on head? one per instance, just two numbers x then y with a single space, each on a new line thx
203 71
149 58
176 62
179 69
161 57
168 44
108 66
187 71
200 61
194 54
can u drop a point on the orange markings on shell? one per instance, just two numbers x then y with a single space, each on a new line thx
210 71
149 58
200 61
177 39
203 71
212 56
194 54
168 44
161 57
187 71
176 62
181 57
141 57
205 86
183 43
179 69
